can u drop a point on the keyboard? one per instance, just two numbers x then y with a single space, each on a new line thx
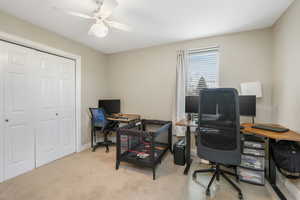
117 117
120 117
271 128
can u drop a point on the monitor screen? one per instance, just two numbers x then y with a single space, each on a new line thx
210 107
248 105
192 104
111 106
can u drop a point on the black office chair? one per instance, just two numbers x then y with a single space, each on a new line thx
101 124
219 133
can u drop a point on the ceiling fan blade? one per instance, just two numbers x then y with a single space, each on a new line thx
118 25
107 8
77 14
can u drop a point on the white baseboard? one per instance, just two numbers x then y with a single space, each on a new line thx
87 145
271 191
290 187
290 191
84 147
194 152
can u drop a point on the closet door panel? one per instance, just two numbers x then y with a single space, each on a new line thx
2 59
18 109
47 137
67 106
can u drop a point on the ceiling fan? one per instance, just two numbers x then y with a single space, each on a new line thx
101 14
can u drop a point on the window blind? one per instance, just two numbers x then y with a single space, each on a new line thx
202 71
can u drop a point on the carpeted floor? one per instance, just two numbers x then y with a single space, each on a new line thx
92 176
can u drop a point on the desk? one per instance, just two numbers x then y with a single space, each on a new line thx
188 124
272 137
125 118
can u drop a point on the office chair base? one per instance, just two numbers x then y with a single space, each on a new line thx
217 172
105 144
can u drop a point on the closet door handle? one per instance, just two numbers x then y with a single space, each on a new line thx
6 120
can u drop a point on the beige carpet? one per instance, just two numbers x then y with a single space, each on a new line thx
92 176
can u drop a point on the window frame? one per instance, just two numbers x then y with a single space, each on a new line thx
203 50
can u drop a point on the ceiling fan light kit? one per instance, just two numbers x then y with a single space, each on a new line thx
99 30
103 11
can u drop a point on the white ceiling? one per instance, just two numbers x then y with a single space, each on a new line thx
153 22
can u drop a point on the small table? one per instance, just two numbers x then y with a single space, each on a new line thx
272 137
188 124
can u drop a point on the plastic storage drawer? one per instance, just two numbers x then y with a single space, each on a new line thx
254 152
255 145
253 162
251 176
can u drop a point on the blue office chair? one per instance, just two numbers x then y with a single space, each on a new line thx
100 123
219 133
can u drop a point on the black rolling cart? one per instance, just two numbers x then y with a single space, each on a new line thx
144 144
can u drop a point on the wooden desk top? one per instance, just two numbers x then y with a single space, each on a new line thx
129 117
290 135
185 122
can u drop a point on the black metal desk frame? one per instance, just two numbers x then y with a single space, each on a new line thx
189 160
272 171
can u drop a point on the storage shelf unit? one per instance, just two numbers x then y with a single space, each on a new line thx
252 168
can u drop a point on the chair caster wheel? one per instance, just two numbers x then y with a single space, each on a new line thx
194 176
207 192
241 197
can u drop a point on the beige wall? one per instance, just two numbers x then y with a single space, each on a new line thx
145 79
286 97
286 87
93 62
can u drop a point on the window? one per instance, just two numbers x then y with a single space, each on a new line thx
202 71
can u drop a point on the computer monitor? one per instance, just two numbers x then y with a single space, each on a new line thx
211 106
192 104
111 106
247 105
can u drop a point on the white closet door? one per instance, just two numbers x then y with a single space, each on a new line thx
37 109
47 135
18 125
55 136
2 57
67 106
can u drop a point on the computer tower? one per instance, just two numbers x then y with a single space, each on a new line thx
179 152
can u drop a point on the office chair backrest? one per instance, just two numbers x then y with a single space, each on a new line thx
98 117
219 126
